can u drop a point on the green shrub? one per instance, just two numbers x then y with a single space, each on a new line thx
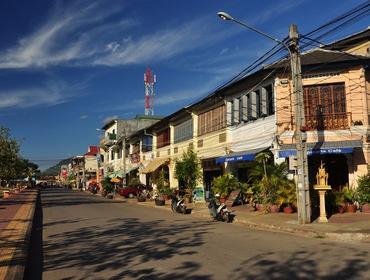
107 184
225 184
363 189
349 195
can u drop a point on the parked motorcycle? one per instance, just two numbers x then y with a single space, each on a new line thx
178 205
219 212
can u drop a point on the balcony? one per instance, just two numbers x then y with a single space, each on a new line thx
107 141
328 121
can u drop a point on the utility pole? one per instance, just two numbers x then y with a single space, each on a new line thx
304 207
124 157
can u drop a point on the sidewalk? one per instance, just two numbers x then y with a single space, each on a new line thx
16 216
347 227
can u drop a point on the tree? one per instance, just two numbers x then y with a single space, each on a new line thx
188 170
9 155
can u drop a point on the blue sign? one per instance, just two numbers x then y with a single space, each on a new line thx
231 158
323 151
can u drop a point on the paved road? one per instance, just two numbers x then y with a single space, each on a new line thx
88 237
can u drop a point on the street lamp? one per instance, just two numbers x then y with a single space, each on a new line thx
226 16
304 208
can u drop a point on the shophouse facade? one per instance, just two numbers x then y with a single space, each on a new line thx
337 108
256 113
114 141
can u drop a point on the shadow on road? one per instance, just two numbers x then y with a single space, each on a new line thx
304 265
128 248
34 266
61 197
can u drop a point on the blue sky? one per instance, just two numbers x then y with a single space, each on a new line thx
67 66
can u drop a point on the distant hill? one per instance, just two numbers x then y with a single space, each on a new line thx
55 170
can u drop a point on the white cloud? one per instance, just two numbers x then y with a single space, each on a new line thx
68 36
24 98
82 33
83 117
48 94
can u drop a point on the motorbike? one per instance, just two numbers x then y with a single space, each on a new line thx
219 212
178 205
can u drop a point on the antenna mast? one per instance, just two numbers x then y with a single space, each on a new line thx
149 81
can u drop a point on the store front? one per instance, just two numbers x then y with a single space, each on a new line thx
240 163
341 160
211 170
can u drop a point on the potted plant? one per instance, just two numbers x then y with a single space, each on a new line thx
224 185
160 180
363 193
188 170
107 186
340 201
287 197
266 178
349 197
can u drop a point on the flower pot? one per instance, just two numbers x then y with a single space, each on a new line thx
159 202
222 199
365 208
274 208
341 209
259 207
141 199
351 208
6 194
288 210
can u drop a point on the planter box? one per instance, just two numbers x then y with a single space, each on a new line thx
274 209
288 210
141 199
365 208
351 208
159 202
6 194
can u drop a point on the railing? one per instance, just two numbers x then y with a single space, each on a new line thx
330 121
107 140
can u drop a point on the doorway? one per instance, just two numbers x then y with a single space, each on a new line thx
335 165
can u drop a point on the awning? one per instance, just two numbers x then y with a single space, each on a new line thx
240 156
154 164
132 169
322 148
115 174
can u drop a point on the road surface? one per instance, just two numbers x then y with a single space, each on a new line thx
81 236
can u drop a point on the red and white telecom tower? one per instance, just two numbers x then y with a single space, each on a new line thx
149 81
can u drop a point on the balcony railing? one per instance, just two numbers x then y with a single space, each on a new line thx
108 140
329 121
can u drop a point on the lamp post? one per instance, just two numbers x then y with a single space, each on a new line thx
304 208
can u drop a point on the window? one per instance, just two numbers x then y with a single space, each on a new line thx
270 100
184 131
325 106
112 154
147 144
163 138
258 104
241 109
120 150
249 108
212 120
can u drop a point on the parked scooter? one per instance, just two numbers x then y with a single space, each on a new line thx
219 212
178 205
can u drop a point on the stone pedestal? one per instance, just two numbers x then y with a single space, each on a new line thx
322 218
322 186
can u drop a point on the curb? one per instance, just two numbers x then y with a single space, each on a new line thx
348 237
19 258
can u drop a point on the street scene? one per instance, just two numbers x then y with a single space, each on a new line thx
185 140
